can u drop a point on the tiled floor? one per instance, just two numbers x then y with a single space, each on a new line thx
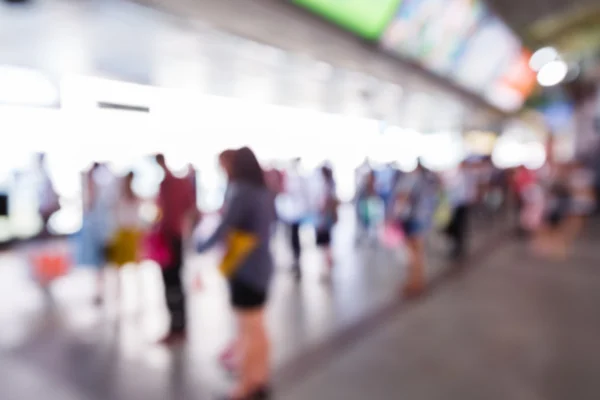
75 351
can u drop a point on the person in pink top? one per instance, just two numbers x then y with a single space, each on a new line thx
176 202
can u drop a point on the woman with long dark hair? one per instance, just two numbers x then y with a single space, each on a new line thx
248 266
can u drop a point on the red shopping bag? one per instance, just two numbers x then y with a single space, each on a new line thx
49 265
392 235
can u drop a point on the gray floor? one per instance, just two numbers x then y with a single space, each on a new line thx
508 327
514 327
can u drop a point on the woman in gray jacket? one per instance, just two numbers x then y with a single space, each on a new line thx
248 266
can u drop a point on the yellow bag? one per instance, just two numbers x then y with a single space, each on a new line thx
124 248
443 213
238 246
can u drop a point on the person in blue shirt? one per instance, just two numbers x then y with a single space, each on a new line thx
412 211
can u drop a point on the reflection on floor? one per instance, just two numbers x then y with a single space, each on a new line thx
76 351
515 327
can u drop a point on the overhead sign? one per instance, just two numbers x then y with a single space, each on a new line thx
432 32
513 87
366 18
486 55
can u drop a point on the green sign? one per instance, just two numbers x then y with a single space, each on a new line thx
366 18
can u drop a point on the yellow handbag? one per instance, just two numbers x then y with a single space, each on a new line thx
238 246
443 213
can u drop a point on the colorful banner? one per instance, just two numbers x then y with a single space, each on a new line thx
487 53
432 32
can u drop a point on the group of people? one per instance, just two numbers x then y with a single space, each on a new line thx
553 205
413 204
114 233
257 201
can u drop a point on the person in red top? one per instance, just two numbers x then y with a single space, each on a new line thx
176 202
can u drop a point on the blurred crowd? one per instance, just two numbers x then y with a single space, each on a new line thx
392 208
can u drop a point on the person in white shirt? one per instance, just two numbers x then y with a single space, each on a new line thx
128 225
98 222
124 245
294 207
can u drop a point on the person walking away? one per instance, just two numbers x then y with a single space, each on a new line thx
177 207
125 244
327 216
248 268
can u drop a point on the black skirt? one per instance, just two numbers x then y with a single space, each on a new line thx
246 297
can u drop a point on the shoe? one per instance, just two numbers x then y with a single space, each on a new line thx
260 393
173 338
413 290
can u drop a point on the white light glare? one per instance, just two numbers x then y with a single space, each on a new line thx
552 73
26 87
542 57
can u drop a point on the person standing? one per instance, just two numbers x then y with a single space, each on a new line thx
462 194
294 208
176 203
48 202
125 244
229 356
97 224
583 201
412 212
367 204
327 216
522 178
245 229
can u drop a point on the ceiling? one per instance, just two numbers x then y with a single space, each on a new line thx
571 25
128 42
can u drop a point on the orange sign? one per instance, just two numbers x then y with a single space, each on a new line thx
519 76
